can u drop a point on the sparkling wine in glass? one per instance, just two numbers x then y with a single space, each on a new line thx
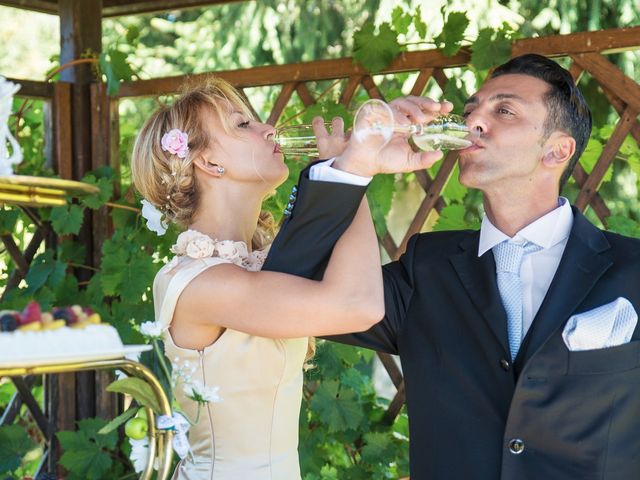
298 140
375 118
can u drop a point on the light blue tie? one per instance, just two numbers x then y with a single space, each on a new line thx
508 256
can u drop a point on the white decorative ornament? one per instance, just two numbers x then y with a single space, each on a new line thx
7 90
154 218
180 426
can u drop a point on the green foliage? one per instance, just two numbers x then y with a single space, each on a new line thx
375 51
113 64
87 453
343 432
452 35
66 219
492 47
15 444
138 389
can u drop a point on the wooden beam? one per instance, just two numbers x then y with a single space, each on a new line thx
115 8
281 102
300 72
604 41
590 187
63 154
430 200
42 6
609 76
33 88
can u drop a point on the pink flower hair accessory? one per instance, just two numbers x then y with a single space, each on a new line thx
175 142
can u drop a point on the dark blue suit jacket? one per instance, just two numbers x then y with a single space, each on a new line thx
553 414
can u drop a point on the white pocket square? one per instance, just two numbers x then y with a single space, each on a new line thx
606 326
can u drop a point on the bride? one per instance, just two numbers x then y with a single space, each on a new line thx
207 165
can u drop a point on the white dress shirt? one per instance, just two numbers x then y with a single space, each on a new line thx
551 232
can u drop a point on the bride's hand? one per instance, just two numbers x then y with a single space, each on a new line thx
332 144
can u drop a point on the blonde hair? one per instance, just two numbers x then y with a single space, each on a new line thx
168 181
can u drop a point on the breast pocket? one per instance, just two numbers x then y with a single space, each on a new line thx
605 360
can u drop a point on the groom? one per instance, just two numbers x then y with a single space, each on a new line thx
518 342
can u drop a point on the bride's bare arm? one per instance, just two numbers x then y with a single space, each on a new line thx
270 304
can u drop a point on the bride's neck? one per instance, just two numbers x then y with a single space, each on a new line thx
227 219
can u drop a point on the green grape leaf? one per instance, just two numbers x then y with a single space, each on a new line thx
14 444
96 200
8 220
338 407
375 51
590 157
634 162
376 446
623 226
114 264
454 190
67 219
70 251
452 35
137 278
41 267
85 454
133 34
400 20
114 66
492 47
67 292
418 23
138 389
451 218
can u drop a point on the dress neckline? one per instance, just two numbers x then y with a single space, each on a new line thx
194 244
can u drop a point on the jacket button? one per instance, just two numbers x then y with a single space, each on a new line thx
516 446
505 365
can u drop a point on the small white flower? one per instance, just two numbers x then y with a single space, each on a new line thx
154 218
152 330
197 392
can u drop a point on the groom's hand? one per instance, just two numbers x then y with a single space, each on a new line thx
367 159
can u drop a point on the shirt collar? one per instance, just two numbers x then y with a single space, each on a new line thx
547 231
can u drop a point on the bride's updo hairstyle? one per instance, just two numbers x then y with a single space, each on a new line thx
166 179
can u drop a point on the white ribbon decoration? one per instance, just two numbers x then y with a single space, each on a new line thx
7 90
180 426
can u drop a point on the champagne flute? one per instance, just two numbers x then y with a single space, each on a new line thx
448 131
298 140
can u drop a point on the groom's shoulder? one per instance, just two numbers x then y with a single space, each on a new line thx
444 242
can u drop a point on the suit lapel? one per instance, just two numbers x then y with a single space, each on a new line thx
478 275
585 259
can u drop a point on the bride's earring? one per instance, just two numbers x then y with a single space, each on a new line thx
220 170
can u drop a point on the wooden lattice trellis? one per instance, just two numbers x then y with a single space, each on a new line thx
587 52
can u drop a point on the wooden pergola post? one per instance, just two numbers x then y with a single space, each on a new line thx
73 397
